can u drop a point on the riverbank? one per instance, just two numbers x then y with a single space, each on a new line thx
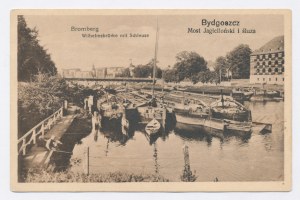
43 176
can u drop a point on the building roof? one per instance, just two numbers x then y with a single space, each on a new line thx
274 45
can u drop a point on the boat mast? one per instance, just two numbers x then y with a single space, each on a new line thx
155 59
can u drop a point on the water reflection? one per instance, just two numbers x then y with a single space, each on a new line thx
155 153
106 150
79 129
212 154
190 133
112 130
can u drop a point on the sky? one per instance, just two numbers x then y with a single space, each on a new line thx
69 49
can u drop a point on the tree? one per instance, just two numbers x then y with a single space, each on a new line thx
239 61
145 71
206 77
39 99
33 59
142 71
221 67
188 64
125 73
170 75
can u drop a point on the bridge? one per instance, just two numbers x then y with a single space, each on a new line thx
108 81
117 79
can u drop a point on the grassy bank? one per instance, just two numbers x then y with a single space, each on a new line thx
42 176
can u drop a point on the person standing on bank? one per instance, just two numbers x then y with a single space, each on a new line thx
96 124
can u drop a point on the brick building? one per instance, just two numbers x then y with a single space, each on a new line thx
267 63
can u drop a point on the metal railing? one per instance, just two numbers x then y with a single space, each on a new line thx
31 135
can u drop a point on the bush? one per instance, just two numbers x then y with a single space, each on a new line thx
40 175
38 100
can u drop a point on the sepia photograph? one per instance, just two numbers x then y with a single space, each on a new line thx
151 100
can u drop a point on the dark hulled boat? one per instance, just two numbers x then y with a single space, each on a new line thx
222 116
110 109
227 108
187 107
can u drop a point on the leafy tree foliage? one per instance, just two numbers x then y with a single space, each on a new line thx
170 75
145 71
221 67
125 73
188 64
33 59
39 99
239 61
205 77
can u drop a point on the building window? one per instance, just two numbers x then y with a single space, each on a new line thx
257 70
276 62
273 55
260 56
269 63
257 79
263 70
282 69
275 79
264 63
276 69
282 79
269 79
269 70
279 55
282 61
263 79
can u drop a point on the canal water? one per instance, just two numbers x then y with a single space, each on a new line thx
258 157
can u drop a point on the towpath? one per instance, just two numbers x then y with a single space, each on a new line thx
39 156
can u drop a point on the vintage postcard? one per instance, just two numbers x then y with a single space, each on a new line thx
151 100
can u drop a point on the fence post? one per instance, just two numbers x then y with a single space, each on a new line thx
86 163
49 123
61 112
43 129
24 146
65 104
54 117
34 136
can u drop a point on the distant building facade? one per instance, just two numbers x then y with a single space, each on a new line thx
267 63
100 72
110 72
70 73
113 72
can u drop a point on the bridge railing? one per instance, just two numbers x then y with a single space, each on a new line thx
111 79
39 129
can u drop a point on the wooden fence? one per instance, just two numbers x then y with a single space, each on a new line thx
31 135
